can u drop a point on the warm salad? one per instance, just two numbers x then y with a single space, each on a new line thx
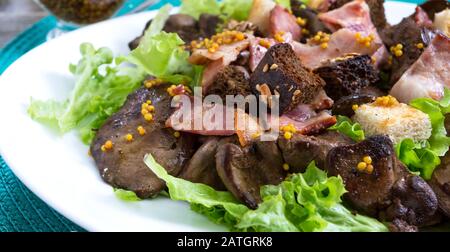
345 114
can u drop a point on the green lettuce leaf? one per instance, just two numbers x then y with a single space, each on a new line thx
100 90
417 157
126 195
227 9
436 110
304 202
195 8
284 3
159 20
161 55
345 126
236 9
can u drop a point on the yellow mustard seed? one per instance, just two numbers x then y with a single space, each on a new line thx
108 144
398 53
144 112
369 169
177 134
419 45
240 36
148 117
151 108
141 130
324 45
286 167
264 43
148 84
316 38
361 166
291 128
288 135
278 37
255 135
301 21
386 101
355 107
367 160
129 137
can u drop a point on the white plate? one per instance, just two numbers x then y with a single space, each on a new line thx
58 169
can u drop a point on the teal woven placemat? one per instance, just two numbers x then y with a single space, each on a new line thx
20 209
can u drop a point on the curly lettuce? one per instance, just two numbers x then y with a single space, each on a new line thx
100 90
305 202
102 87
236 9
345 126
195 8
227 9
419 158
423 158
161 54
126 195
436 110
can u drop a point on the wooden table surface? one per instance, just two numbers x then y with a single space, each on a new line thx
16 16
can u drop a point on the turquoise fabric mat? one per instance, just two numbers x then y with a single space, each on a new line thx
20 209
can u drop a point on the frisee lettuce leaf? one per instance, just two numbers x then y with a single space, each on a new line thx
417 157
345 126
303 202
195 8
236 9
227 9
436 110
126 195
102 87
162 55
159 21
423 158
100 90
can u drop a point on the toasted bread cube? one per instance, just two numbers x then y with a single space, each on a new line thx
398 121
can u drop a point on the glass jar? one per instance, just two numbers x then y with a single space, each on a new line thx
74 13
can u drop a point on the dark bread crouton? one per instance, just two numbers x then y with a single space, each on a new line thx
313 23
347 75
283 73
232 80
409 34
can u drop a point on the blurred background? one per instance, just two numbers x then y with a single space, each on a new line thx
23 12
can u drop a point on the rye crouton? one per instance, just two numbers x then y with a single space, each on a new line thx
282 72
